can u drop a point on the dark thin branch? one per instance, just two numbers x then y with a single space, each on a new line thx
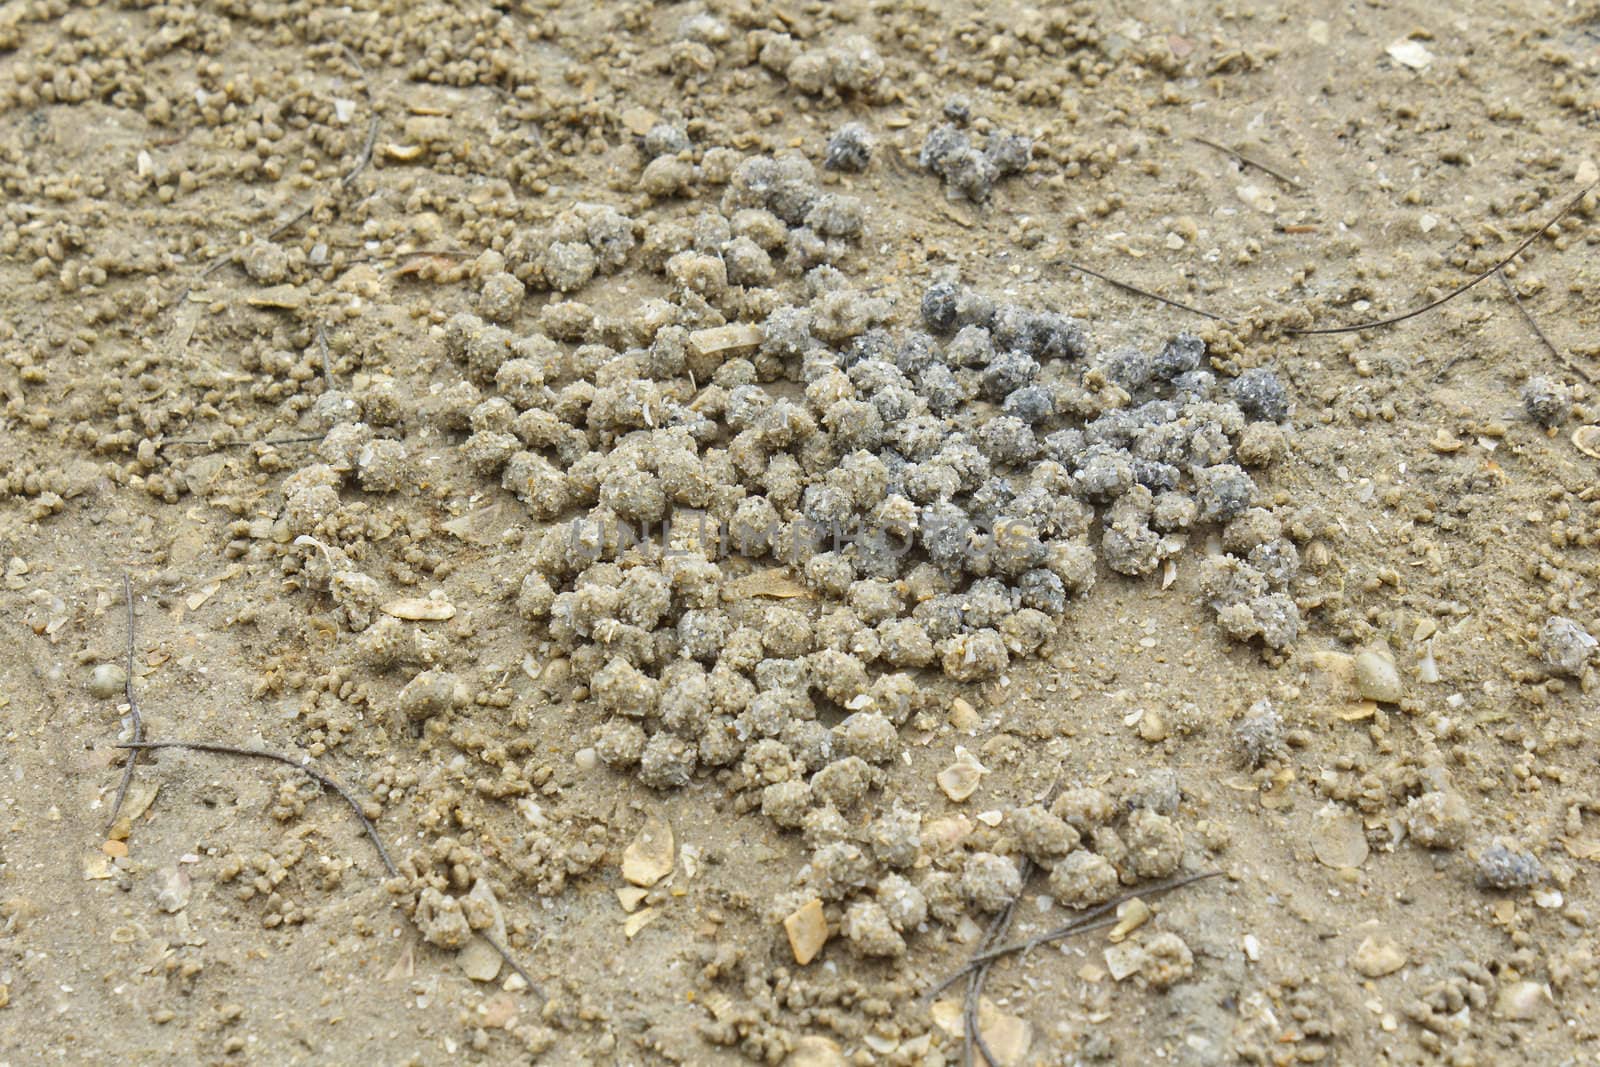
366 154
511 962
133 707
344 183
214 266
355 172
1147 294
1081 924
1081 269
971 1025
1245 160
353 59
1155 889
327 783
1538 333
288 761
322 346
1516 302
1515 252
245 444
1527 316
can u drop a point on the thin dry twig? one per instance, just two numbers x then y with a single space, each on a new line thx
971 1027
327 783
362 162
366 154
1081 269
510 961
1515 252
1245 160
288 761
1516 302
133 707
1356 327
1527 317
139 744
353 59
322 347
1081 924
267 442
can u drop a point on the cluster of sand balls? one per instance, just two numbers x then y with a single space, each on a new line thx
931 485
904 872
934 488
942 489
967 170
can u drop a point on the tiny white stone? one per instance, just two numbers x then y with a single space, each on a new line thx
1409 53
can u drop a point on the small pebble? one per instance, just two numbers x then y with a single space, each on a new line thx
649 858
808 931
1546 401
1377 678
814 1050
638 921
478 961
1337 838
1521 1001
108 680
1506 865
1377 956
1125 960
1439 819
1131 914
1565 646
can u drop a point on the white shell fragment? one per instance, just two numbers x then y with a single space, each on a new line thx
1586 439
1338 839
726 340
638 921
1256 197
814 1050
650 856
420 609
1548 898
1409 53
960 780
1008 1036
